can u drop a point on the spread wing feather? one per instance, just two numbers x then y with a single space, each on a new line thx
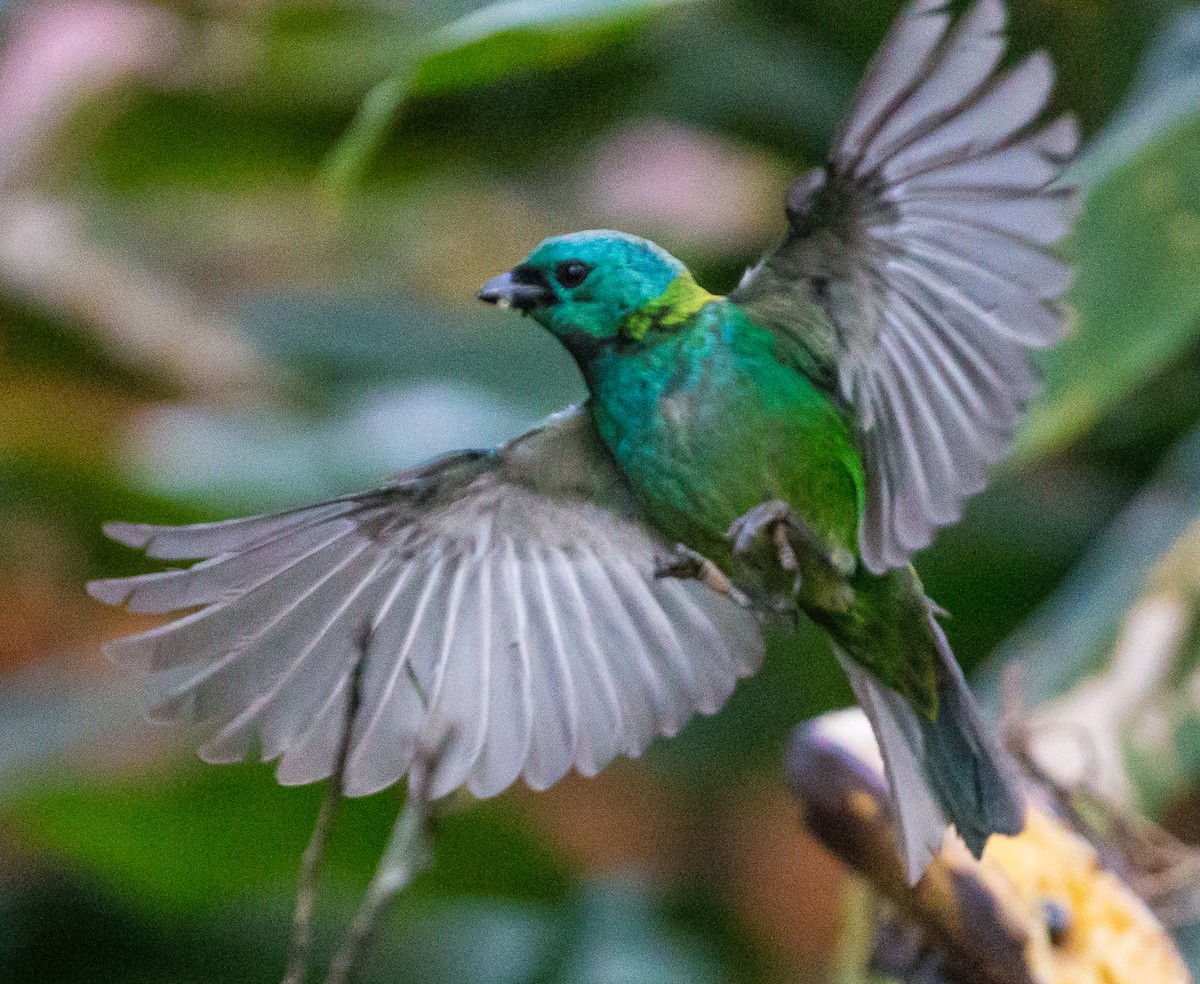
926 244
512 621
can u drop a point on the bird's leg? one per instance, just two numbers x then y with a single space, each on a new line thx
786 528
314 853
688 565
408 853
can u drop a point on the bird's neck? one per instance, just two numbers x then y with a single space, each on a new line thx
641 332
661 343
668 312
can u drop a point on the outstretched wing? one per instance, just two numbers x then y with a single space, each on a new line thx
917 270
512 621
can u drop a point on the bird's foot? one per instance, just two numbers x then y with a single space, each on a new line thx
775 518
785 528
688 565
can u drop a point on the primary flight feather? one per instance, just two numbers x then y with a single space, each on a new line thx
563 599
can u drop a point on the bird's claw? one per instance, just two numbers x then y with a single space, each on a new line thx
776 518
782 523
688 565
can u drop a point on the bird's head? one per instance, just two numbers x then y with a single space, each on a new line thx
584 287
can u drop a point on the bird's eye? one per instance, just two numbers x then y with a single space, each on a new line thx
572 273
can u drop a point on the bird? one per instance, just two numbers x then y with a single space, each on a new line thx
778 452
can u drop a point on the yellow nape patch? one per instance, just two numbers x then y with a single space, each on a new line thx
675 305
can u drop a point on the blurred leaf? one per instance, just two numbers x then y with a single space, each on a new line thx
1166 90
194 139
603 933
74 501
36 343
386 383
620 937
1073 632
484 942
1136 297
48 416
46 716
199 848
496 41
248 462
1110 667
615 933
344 166
342 342
735 74
324 56
1136 300
519 35
198 839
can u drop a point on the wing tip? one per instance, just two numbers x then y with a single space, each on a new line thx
127 651
289 773
926 8
136 535
984 17
113 591
1059 140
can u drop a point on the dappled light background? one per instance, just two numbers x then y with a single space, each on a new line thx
239 249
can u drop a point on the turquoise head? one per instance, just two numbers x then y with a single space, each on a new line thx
584 286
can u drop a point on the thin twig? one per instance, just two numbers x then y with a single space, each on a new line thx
314 853
407 854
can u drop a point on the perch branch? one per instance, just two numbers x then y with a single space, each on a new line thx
1040 907
407 854
314 853
846 806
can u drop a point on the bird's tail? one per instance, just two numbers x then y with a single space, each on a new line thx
949 769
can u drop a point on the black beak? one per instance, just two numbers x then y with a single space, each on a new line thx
521 288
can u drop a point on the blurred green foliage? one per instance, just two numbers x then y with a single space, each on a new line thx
335 180
1137 307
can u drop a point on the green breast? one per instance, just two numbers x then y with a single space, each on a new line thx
706 423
